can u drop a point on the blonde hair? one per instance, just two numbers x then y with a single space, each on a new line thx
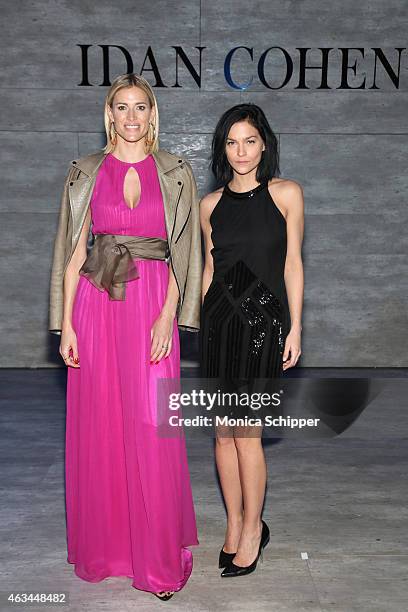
131 80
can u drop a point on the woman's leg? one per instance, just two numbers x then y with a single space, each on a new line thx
228 471
252 471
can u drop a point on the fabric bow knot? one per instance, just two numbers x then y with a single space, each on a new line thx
109 267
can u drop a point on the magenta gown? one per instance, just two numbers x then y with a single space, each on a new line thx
129 505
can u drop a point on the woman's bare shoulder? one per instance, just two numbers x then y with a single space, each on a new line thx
210 201
285 186
286 193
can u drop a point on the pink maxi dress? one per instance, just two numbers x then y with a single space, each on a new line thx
129 506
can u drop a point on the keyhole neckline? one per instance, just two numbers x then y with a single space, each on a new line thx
120 161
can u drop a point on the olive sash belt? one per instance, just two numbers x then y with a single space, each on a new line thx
110 264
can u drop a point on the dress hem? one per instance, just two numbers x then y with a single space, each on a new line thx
124 574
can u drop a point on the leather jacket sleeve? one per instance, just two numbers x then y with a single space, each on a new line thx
56 297
189 316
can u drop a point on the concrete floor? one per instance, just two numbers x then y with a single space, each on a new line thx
343 501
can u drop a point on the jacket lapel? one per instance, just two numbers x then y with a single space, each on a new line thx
171 189
170 192
80 190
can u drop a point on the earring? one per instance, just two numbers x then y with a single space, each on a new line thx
112 134
150 141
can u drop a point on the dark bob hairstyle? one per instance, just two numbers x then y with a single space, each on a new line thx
268 166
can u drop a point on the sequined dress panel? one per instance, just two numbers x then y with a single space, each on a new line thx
245 316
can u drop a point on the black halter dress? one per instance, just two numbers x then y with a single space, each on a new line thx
245 316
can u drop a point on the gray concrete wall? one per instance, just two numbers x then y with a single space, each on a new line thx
346 148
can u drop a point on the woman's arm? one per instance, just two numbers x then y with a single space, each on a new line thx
291 198
188 316
71 279
170 305
207 205
161 333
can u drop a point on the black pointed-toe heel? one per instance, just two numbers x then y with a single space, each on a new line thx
233 570
225 558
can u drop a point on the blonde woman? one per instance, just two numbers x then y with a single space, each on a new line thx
118 308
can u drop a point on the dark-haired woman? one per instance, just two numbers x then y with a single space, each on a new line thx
252 295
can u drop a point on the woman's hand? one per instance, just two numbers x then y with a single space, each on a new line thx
161 335
292 346
68 347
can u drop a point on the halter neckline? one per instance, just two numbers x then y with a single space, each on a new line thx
245 194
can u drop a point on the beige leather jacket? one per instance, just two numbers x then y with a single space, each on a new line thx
181 206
